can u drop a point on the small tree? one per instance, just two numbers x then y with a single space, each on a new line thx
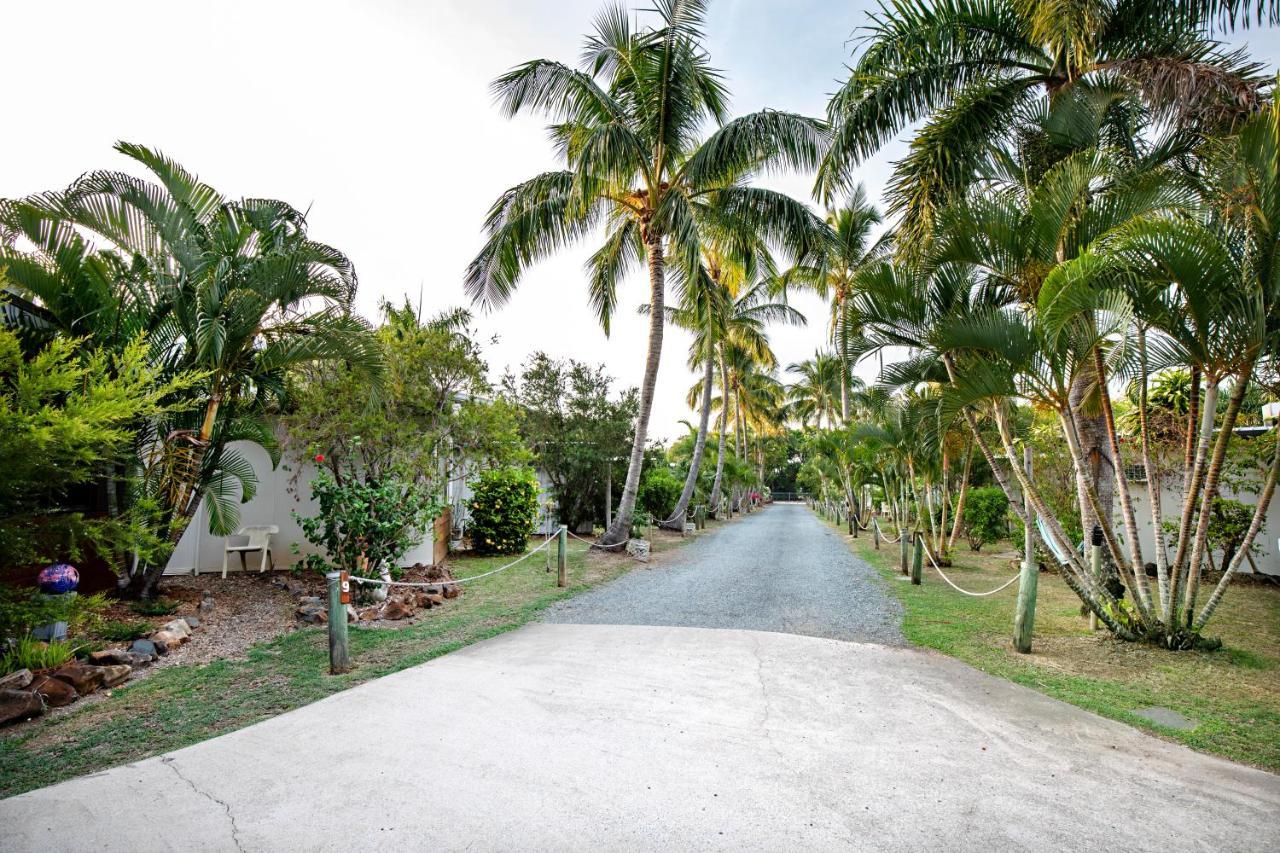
659 491
504 510
986 516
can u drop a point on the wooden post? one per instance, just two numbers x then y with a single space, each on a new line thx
1095 564
875 533
339 595
562 557
917 562
904 551
853 522
1024 620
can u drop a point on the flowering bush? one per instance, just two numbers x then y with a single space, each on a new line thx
503 510
377 520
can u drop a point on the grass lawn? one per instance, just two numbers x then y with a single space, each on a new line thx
181 705
1233 693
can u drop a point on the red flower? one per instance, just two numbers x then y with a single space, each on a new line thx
319 457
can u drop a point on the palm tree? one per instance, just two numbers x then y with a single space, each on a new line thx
233 291
629 127
722 309
977 70
835 275
820 389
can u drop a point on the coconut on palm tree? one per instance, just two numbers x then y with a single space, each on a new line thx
629 125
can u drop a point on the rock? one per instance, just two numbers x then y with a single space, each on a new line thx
193 622
16 680
54 691
396 609
145 647
638 548
421 600
689 527
435 598
179 628
113 675
295 587
206 604
166 641
19 705
83 677
351 613
312 611
452 590
108 657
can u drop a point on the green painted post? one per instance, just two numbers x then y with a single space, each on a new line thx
904 551
562 556
339 651
1024 620
917 562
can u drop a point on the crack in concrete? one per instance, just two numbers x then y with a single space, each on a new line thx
226 808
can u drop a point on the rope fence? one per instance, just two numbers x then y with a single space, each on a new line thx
953 584
545 546
883 535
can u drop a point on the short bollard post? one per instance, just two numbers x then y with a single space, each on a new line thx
562 557
917 561
339 597
904 551
875 533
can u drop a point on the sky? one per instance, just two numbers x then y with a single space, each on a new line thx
376 117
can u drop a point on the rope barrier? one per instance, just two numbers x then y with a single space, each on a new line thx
938 569
596 544
380 582
883 535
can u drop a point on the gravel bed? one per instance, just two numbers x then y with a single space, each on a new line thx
778 570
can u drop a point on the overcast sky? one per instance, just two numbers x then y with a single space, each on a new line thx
376 116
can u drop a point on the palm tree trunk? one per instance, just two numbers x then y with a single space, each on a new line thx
621 528
699 446
964 493
1153 482
1181 566
724 424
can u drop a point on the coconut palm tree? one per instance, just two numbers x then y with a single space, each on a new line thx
232 290
819 391
833 277
722 309
629 126
975 71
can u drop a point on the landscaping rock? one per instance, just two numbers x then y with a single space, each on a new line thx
436 599
109 657
396 609
113 675
19 705
54 691
179 628
193 622
312 610
145 647
166 641
638 548
83 677
451 590
206 604
16 680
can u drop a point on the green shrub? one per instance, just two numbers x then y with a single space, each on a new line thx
365 526
119 631
29 653
659 491
504 509
986 513
25 608
154 607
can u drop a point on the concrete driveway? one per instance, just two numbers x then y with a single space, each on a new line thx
590 737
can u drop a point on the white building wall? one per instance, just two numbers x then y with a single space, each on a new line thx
274 503
1267 552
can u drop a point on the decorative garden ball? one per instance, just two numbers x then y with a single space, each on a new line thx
58 578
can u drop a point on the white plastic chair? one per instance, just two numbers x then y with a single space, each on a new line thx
251 539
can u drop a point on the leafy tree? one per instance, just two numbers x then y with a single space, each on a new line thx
629 127
659 491
65 415
986 516
576 429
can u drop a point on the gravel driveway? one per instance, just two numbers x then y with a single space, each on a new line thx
778 570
